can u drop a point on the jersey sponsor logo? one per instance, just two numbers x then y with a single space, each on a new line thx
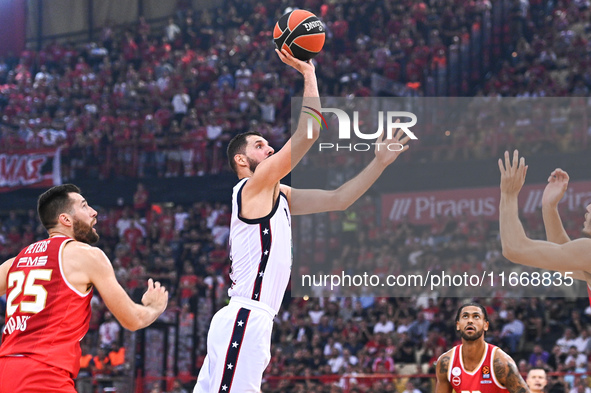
456 372
37 247
486 381
18 322
485 372
456 381
32 262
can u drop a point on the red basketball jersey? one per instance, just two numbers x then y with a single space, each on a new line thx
46 316
482 379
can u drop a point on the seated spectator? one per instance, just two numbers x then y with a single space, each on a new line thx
583 341
512 331
581 386
410 388
575 358
383 360
117 360
419 329
384 325
539 357
567 340
556 358
109 331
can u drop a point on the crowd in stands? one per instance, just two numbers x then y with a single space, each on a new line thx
328 342
144 101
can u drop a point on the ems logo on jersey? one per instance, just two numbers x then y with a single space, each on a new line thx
485 372
32 262
456 372
456 381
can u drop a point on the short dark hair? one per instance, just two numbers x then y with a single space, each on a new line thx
237 146
54 202
535 369
480 306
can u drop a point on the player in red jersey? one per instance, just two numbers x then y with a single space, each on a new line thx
559 253
49 285
476 366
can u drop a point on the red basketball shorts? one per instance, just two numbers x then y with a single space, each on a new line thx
19 374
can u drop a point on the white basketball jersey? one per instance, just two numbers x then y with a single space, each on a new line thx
260 251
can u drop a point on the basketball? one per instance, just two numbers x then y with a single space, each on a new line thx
301 33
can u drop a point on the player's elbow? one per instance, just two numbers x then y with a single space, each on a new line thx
131 324
510 253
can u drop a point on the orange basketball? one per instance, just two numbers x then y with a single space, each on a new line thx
301 33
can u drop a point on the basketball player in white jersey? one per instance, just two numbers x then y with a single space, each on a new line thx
559 253
239 338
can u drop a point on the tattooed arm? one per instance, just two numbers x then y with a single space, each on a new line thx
507 373
443 385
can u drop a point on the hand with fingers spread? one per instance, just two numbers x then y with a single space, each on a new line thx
387 151
555 189
156 297
512 174
303 67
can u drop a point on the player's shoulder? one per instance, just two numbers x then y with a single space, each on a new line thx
501 358
76 248
443 362
285 190
498 352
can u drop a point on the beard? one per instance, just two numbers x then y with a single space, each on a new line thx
252 164
84 233
473 337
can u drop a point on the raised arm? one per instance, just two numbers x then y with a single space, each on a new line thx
4 276
441 370
553 193
86 264
277 166
317 201
507 373
517 247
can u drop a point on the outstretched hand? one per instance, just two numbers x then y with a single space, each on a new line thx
387 151
155 297
301 66
554 191
512 173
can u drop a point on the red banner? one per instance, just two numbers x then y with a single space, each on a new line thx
424 207
30 168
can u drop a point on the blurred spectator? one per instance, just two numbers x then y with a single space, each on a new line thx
581 386
574 357
177 387
539 357
141 200
109 331
384 325
512 331
566 341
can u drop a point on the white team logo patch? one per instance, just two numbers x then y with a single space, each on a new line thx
456 372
